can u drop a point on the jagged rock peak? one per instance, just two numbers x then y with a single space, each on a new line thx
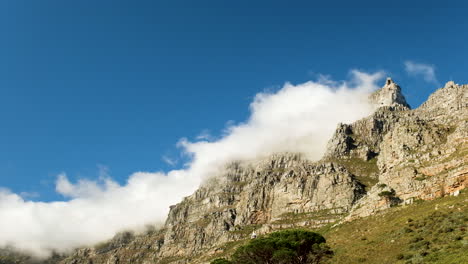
450 84
389 95
451 97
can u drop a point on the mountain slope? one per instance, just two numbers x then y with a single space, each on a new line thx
395 157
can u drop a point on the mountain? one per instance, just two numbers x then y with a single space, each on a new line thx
395 158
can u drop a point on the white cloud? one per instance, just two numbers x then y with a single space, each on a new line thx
420 69
205 135
296 118
169 161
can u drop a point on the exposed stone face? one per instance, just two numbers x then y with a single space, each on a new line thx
256 194
363 137
392 157
425 154
389 95
447 101
248 195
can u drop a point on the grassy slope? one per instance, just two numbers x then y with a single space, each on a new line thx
414 234
419 233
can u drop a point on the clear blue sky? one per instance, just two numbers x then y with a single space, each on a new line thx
118 83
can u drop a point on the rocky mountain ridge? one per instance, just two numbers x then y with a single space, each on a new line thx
393 157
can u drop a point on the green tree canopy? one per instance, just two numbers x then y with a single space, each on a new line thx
283 247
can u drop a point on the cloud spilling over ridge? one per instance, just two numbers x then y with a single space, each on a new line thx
296 118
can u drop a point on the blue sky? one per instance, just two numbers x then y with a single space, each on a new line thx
116 84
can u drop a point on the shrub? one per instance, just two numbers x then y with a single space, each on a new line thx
407 230
447 229
387 193
220 261
283 247
409 256
416 239
400 256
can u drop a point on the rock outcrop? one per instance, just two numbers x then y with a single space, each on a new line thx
424 155
393 157
389 95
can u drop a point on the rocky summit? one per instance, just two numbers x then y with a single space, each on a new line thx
394 158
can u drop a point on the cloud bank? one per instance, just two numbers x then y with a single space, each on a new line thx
296 118
420 69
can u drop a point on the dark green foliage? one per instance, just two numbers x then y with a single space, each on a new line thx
220 261
319 253
4 260
407 230
382 185
387 193
284 247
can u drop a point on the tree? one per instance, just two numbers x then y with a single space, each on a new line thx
283 247
318 253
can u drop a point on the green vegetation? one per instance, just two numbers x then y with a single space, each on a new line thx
239 183
366 171
387 193
424 232
420 178
220 261
288 246
245 230
12 257
435 237
8 260
413 234
169 260
203 222
460 152
292 218
227 249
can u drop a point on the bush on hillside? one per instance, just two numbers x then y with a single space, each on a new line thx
283 247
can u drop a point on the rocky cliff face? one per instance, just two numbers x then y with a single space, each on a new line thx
424 155
395 156
389 95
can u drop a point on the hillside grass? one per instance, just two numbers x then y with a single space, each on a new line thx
426 232
293 218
